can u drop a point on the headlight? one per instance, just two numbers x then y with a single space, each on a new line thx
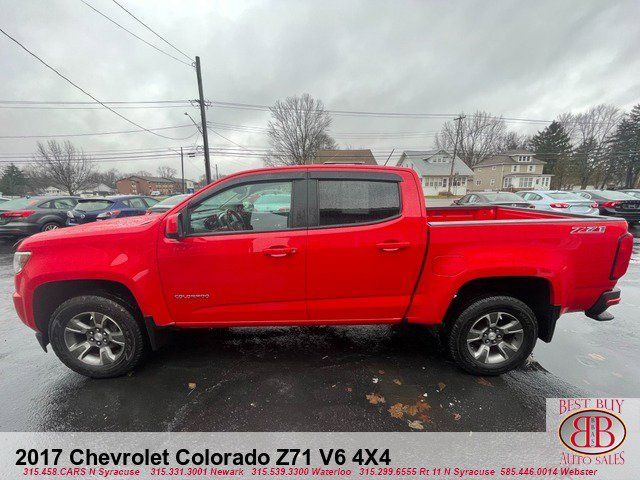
19 261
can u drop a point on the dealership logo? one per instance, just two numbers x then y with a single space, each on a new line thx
592 432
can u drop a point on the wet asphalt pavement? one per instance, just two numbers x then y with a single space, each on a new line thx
314 379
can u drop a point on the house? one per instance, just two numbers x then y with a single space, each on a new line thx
434 169
51 190
513 170
143 185
364 157
99 190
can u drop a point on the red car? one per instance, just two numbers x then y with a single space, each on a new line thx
356 245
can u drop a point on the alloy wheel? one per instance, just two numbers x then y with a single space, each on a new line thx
94 338
495 337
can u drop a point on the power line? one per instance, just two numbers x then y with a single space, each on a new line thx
57 102
133 34
154 32
64 135
82 89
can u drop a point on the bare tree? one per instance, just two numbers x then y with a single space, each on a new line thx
514 141
482 134
63 166
591 130
164 171
297 130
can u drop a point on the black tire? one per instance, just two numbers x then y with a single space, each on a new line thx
459 347
50 226
131 334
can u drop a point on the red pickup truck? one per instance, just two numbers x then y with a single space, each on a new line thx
318 245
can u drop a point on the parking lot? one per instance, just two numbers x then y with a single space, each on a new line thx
314 379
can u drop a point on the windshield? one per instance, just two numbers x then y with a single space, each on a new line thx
93 205
565 196
502 197
20 203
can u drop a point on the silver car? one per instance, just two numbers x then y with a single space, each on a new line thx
559 201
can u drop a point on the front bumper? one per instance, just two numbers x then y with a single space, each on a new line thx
18 229
607 299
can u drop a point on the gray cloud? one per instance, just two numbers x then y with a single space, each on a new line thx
514 58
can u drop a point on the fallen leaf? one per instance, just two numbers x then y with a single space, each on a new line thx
192 385
396 410
425 418
375 399
597 357
441 386
457 416
349 389
381 372
411 410
423 406
484 381
416 424
375 379
397 382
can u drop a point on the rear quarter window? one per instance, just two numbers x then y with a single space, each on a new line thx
349 202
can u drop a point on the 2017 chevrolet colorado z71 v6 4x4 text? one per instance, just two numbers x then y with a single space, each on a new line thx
318 245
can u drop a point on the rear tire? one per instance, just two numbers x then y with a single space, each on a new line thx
493 335
49 226
96 336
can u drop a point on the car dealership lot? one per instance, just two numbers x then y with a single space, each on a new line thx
313 379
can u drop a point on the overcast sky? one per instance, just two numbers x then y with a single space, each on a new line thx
513 58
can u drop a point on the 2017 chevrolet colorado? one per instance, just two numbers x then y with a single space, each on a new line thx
328 245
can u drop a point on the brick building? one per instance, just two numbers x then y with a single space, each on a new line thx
139 185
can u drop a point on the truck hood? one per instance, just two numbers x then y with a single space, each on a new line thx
103 229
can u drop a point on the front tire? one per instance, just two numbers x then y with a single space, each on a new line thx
96 336
493 335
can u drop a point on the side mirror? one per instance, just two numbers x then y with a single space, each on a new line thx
174 227
457 202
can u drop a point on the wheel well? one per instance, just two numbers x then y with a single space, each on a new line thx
534 291
49 296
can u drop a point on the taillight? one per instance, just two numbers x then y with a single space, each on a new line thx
623 255
609 204
559 205
594 205
109 214
18 214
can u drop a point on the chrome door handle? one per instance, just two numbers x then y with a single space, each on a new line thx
392 246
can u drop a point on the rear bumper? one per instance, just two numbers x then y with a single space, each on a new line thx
18 229
607 299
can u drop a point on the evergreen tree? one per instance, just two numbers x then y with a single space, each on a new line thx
553 146
13 181
625 149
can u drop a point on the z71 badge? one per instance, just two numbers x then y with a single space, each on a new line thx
598 229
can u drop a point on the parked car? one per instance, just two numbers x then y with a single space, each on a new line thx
355 246
25 216
614 203
4 199
168 203
505 199
95 209
633 192
559 201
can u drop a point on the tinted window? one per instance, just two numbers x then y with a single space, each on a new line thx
150 201
564 196
135 203
502 197
19 203
93 205
257 207
63 203
613 195
342 202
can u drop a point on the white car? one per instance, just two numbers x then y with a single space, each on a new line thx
559 201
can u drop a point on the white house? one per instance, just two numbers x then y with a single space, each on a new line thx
51 190
99 190
434 169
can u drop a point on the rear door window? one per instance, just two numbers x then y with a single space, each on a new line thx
63 204
135 203
349 202
93 205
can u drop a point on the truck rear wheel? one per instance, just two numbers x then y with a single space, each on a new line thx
96 336
493 335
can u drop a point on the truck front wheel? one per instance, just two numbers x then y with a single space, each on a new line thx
493 335
96 336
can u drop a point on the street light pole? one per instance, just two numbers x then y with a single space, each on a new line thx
182 167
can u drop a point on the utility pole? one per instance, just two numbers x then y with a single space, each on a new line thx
182 167
458 121
217 176
203 120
